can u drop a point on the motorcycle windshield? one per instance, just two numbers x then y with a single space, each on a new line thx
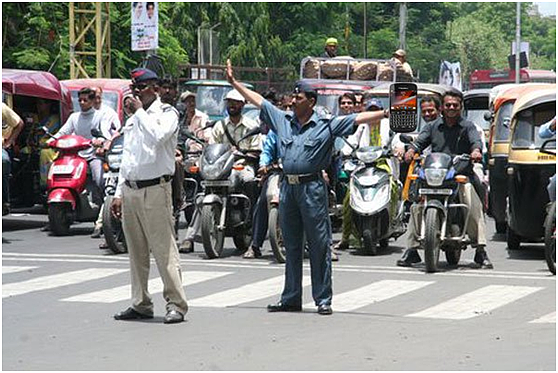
213 152
438 160
117 145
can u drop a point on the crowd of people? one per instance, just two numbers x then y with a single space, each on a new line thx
158 135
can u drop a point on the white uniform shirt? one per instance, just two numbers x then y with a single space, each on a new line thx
109 121
149 143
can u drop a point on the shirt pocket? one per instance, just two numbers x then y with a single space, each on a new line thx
310 144
287 143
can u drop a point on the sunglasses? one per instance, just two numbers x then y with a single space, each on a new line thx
139 87
452 105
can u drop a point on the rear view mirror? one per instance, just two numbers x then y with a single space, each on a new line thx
406 139
95 132
488 116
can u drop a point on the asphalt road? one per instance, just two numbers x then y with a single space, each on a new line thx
59 295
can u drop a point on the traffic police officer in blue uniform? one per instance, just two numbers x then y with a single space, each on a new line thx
306 143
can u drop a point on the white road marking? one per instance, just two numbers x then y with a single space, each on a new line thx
375 292
58 280
546 319
155 285
15 269
476 303
244 294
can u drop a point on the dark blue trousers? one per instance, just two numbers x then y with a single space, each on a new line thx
303 210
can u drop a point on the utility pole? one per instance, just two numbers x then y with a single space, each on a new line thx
365 34
402 24
517 42
89 38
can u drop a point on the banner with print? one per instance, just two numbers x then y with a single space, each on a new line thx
450 74
145 26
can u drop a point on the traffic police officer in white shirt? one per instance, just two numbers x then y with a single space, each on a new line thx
143 199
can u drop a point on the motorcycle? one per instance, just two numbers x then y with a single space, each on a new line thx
274 174
443 218
69 184
112 226
377 209
226 208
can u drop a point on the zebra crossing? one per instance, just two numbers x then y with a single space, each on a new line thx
471 304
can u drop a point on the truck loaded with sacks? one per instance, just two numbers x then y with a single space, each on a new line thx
332 77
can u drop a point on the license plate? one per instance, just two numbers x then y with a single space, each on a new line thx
443 192
216 183
62 169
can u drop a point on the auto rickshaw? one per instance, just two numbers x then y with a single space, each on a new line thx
498 147
528 169
22 90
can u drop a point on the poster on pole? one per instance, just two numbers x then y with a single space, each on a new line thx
450 74
145 26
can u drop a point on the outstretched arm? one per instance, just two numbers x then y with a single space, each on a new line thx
369 117
247 93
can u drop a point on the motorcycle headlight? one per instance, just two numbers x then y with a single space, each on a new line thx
435 177
211 172
114 160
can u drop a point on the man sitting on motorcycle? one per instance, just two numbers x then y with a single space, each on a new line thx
81 124
231 129
361 138
452 135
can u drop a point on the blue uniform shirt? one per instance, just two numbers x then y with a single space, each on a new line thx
306 150
270 150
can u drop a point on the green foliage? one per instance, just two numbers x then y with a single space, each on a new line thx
279 34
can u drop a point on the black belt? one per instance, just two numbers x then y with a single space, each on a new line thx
301 179
147 183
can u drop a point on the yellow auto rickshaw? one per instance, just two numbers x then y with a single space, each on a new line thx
529 169
498 148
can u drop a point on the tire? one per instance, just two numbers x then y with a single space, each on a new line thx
275 236
58 218
501 226
513 239
368 245
242 241
550 239
212 238
453 256
432 240
112 230
384 243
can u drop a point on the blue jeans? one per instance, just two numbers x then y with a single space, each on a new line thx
305 205
6 165
260 218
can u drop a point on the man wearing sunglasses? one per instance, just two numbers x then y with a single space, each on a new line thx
452 135
143 199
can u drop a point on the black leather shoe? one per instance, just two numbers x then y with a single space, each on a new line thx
280 307
325 309
481 259
173 317
410 257
131 314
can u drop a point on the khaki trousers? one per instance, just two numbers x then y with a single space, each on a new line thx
148 225
475 228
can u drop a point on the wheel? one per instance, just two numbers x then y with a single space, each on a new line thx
432 240
112 230
212 238
384 243
242 241
59 219
550 239
514 240
368 244
275 236
453 256
501 226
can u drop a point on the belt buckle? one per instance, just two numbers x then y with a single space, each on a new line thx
293 179
133 184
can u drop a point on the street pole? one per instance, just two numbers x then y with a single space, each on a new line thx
365 34
402 24
517 42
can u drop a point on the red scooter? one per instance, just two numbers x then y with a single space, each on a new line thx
69 185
